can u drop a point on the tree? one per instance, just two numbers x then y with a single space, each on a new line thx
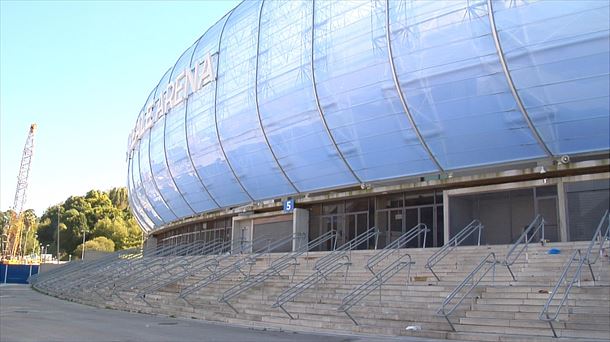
99 243
113 229
119 198
98 213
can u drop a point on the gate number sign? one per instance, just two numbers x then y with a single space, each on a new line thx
289 205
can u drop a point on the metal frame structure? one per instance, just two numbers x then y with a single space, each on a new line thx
277 266
513 254
453 243
577 260
247 260
469 283
384 275
324 267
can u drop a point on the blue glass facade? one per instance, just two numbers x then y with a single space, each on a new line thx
312 95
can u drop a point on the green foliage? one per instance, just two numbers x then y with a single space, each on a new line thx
99 243
98 214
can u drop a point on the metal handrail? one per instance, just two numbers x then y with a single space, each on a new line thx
382 276
347 247
470 283
79 266
249 259
97 274
222 252
600 237
537 225
544 314
582 260
376 281
277 266
66 276
182 265
324 267
401 242
146 267
452 244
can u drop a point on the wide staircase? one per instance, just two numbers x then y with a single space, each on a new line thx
516 293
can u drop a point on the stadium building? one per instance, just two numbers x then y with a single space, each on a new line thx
308 116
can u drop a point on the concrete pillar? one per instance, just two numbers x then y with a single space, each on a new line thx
445 216
562 211
300 224
151 243
242 230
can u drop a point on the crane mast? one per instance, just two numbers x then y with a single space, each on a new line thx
15 227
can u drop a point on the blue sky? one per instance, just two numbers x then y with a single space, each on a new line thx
82 70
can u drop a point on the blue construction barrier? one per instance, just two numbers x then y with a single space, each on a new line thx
16 274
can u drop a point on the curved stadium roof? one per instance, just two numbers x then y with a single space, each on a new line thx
377 90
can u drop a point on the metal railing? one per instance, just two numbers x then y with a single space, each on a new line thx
325 266
381 277
69 275
194 266
401 242
148 267
451 245
578 259
522 243
600 236
469 283
544 314
178 266
100 276
247 260
376 281
277 266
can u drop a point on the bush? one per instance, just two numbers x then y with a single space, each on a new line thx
99 243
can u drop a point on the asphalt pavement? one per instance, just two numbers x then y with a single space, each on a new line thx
28 316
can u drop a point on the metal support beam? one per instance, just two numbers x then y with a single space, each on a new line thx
403 101
216 113
315 92
511 84
258 113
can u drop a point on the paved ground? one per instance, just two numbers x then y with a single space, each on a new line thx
26 315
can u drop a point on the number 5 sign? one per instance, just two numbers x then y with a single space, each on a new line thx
289 205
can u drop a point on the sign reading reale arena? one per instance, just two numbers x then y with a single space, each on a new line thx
185 83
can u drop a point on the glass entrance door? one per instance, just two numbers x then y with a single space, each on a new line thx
332 222
347 226
356 224
395 222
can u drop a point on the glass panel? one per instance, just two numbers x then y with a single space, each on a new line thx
162 176
411 220
361 204
180 164
333 208
202 137
453 83
150 189
185 181
139 188
426 216
286 100
358 95
390 201
558 56
381 223
440 227
143 220
237 118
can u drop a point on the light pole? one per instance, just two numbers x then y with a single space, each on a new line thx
46 250
58 234
82 256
